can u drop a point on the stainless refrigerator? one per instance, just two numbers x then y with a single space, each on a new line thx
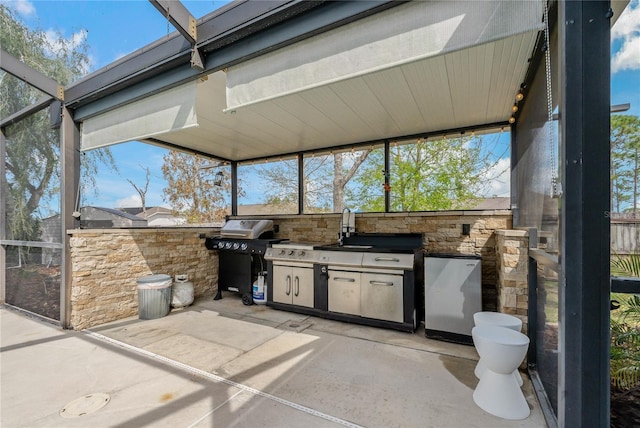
452 294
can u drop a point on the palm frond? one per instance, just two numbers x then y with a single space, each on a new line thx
626 265
626 377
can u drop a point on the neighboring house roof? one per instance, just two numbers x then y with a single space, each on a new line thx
501 203
261 209
117 213
156 211
150 211
131 210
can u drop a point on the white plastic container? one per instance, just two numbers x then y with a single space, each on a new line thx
260 289
182 293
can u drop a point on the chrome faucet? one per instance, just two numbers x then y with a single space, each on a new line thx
342 233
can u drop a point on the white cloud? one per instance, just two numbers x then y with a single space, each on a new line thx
628 57
129 202
56 42
22 7
498 179
627 28
628 22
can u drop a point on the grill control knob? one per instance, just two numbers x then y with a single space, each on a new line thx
301 253
236 245
292 252
243 246
227 245
281 253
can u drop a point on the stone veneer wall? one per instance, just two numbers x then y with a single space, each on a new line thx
107 263
442 233
513 266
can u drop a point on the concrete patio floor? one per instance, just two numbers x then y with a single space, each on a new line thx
223 364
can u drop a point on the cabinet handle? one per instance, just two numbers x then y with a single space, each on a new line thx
297 282
288 292
338 278
381 283
387 259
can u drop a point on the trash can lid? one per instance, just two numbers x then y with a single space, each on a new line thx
149 279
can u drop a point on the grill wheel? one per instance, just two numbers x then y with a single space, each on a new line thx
247 299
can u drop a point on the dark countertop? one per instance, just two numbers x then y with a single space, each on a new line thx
378 243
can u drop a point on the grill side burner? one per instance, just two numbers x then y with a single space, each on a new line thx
240 257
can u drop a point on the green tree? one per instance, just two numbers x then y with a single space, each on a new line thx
325 180
191 189
625 162
33 149
428 175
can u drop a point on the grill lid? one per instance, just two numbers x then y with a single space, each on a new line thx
247 229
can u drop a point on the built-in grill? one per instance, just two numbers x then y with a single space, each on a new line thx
241 246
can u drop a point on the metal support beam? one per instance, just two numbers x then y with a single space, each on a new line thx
179 16
625 285
70 185
301 187
26 112
583 392
3 233
15 67
185 23
532 309
234 188
515 211
387 174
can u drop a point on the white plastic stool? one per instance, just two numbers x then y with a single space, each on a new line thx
501 320
502 351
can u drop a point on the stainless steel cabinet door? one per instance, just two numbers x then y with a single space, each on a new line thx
382 297
452 293
344 292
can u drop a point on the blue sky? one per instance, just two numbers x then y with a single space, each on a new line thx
114 28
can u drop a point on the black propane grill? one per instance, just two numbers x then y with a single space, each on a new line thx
241 247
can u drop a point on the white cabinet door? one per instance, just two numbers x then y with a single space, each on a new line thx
382 296
344 292
302 287
293 285
282 284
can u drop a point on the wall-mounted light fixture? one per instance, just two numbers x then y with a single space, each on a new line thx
217 181
519 96
514 108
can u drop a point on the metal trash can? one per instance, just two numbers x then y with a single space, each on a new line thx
154 296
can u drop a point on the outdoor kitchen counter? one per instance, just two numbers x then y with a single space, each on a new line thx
377 242
368 279
365 248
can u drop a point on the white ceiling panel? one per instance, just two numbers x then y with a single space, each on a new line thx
391 88
429 84
456 88
410 32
